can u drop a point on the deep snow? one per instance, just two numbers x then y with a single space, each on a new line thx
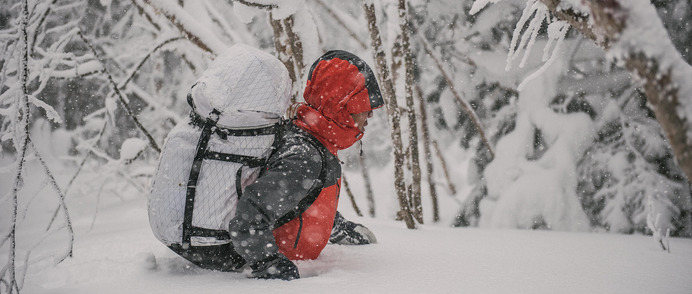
111 258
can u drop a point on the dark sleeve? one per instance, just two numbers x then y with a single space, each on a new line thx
292 173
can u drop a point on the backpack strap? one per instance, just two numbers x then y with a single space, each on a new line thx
209 126
207 130
197 120
312 194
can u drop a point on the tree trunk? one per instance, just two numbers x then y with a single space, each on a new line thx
350 195
425 133
412 120
608 21
296 46
284 55
392 112
368 187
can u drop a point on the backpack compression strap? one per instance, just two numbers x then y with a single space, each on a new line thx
207 130
209 127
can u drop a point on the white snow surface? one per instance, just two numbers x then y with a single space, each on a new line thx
112 258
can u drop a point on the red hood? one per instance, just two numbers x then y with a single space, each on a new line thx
340 84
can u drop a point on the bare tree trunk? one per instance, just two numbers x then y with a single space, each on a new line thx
425 133
283 54
368 187
413 122
350 195
392 112
296 46
605 27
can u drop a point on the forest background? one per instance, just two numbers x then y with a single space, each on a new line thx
545 112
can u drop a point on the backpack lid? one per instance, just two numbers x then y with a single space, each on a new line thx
248 86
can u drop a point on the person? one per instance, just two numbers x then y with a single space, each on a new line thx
289 212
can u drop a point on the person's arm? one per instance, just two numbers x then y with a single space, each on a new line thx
292 172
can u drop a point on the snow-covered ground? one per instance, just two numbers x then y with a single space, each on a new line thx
111 258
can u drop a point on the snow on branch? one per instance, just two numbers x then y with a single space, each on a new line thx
465 106
188 26
121 98
633 35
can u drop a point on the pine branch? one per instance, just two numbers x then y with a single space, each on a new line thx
608 20
469 111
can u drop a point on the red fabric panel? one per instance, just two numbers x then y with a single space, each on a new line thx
318 220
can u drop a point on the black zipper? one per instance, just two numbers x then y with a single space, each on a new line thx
300 229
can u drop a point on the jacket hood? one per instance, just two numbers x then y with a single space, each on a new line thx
340 84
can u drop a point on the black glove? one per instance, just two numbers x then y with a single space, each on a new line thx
275 267
347 232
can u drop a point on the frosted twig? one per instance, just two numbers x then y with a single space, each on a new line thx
122 99
350 195
98 202
146 57
79 170
23 137
559 35
54 184
257 5
338 19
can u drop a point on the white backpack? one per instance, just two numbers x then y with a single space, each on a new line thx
209 158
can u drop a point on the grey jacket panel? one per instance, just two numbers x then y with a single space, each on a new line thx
278 194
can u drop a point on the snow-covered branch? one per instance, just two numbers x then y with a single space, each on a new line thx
121 98
635 37
188 26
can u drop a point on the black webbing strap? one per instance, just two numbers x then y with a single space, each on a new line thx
312 195
238 183
199 121
209 126
207 130
203 232
242 159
